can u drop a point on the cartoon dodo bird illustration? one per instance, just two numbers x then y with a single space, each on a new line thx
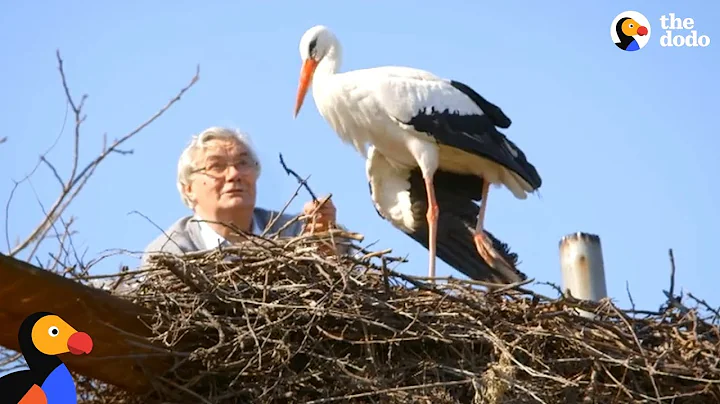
42 336
626 29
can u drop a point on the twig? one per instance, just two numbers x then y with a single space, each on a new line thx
672 272
274 220
167 236
673 301
627 289
703 303
30 174
301 181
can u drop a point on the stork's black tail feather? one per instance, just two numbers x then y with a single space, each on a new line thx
504 249
456 225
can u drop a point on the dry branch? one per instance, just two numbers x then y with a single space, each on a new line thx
287 324
302 182
71 187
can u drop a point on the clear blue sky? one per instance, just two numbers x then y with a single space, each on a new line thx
622 140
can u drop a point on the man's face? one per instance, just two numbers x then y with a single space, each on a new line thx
225 178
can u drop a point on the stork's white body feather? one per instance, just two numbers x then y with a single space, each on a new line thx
390 190
372 106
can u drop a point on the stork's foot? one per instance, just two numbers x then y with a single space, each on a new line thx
486 250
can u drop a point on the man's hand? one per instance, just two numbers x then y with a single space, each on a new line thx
321 219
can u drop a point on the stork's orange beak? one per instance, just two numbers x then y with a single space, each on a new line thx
306 74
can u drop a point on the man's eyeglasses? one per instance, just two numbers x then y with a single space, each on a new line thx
219 167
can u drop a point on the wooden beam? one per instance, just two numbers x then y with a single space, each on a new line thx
25 289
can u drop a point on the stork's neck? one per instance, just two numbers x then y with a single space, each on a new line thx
330 64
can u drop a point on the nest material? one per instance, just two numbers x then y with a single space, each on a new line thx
288 324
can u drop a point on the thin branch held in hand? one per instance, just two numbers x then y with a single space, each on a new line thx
672 272
672 300
301 181
627 289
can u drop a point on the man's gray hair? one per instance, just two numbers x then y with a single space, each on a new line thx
199 142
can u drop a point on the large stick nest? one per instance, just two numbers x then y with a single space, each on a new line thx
289 323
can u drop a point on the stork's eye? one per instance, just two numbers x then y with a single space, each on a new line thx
632 25
313 48
53 331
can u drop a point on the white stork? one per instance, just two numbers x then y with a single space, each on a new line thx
434 148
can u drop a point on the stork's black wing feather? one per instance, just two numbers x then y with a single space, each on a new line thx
456 223
492 111
476 133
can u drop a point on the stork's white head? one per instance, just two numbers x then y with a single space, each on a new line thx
315 44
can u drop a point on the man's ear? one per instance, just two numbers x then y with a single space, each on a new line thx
188 189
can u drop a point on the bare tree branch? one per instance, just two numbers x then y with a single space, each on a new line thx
77 110
30 174
62 238
53 169
77 180
42 208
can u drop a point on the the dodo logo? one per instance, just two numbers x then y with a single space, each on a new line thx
630 31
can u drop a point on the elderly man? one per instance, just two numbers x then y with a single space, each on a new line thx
217 177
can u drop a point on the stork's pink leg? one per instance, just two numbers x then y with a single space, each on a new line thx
432 216
482 243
